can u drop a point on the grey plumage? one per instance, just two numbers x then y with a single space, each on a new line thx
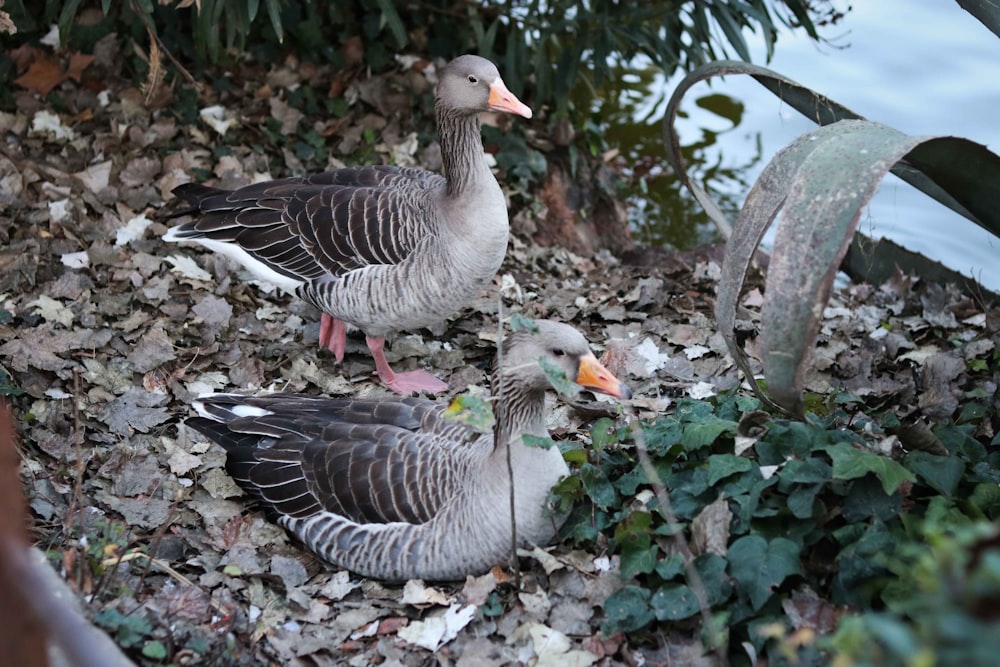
392 488
381 248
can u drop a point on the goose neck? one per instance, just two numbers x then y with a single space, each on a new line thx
518 410
461 149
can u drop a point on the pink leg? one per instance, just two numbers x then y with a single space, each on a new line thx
333 335
402 383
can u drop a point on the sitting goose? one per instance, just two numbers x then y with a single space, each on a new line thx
394 489
382 248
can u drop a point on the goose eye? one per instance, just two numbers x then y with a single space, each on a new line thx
473 79
559 352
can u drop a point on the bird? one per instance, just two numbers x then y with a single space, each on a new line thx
393 488
380 248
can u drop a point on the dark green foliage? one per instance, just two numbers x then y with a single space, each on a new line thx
816 508
552 47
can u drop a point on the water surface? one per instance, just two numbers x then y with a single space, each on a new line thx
924 67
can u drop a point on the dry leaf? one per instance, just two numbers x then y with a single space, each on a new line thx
416 593
77 63
44 74
710 529
437 630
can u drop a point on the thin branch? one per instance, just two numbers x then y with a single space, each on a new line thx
677 531
155 39
503 436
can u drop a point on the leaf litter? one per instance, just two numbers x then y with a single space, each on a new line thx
111 333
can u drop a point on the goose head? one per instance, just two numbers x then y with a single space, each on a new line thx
472 84
530 356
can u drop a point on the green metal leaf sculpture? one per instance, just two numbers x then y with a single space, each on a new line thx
821 183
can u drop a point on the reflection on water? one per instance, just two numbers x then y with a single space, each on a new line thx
661 212
936 73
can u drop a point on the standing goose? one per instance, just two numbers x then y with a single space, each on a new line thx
382 248
394 489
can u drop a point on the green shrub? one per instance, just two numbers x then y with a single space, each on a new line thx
551 47
810 517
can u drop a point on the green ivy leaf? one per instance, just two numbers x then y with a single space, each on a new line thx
519 322
597 486
942 473
539 442
850 462
867 500
986 496
760 565
674 602
603 433
808 471
154 650
670 567
703 433
472 411
721 466
638 557
557 377
662 435
572 452
712 570
959 439
627 609
638 553
493 606
802 500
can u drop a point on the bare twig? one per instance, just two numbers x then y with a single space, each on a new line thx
162 566
155 40
502 435
158 535
666 510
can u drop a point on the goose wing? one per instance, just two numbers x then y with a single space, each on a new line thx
324 224
371 461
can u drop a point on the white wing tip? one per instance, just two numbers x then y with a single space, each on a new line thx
172 235
233 410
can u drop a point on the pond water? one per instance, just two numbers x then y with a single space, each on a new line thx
921 66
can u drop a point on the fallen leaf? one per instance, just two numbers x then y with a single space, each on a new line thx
47 124
701 390
416 593
551 647
214 311
135 409
42 76
52 310
339 586
437 630
710 528
547 560
288 115
77 63
181 462
153 349
59 211
478 589
96 177
806 610
696 351
133 230
217 118
75 260
290 570
187 268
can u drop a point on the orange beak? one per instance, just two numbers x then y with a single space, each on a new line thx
503 100
592 375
